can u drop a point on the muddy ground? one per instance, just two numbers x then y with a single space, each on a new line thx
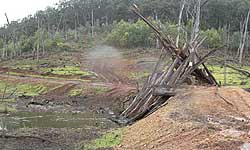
70 100
105 79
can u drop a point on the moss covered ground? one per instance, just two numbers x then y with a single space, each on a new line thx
21 89
94 91
108 140
233 78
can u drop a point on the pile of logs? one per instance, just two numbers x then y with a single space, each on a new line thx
162 83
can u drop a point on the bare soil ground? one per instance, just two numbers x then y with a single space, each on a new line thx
200 118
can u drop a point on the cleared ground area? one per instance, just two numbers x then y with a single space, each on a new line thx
200 118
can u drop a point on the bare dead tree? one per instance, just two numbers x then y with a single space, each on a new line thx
244 34
38 43
164 80
179 23
195 30
92 22
158 21
13 37
7 18
241 38
227 37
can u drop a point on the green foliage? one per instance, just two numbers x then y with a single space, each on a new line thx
20 89
49 44
1 43
76 92
213 38
130 35
57 25
108 140
63 46
26 43
5 108
234 78
10 46
67 70
93 91
139 75
100 90
235 40
170 29
138 34
58 38
30 90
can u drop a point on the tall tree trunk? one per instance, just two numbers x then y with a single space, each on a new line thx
43 46
14 44
241 38
227 37
157 40
195 31
179 23
92 22
4 47
244 38
76 37
38 43
107 20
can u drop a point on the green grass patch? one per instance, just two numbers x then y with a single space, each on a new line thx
234 78
88 91
138 75
100 90
30 90
23 67
53 60
20 89
108 140
8 100
67 70
5 108
44 77
76 92
23 64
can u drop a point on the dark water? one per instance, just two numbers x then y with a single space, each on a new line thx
53 120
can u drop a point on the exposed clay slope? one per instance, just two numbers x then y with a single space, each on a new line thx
202 118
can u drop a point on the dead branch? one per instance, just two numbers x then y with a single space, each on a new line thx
244 72
179 23
162 83
244 36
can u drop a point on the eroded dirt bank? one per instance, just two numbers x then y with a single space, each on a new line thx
201 118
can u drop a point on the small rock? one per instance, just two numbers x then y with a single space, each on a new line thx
245 146
232 133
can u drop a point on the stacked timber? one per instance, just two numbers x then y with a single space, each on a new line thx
166 77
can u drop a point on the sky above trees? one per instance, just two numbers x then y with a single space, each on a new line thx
18 9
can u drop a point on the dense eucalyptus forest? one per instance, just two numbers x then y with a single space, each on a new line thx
55 28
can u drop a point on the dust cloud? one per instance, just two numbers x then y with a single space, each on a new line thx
104 51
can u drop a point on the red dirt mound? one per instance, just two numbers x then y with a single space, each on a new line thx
201 118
